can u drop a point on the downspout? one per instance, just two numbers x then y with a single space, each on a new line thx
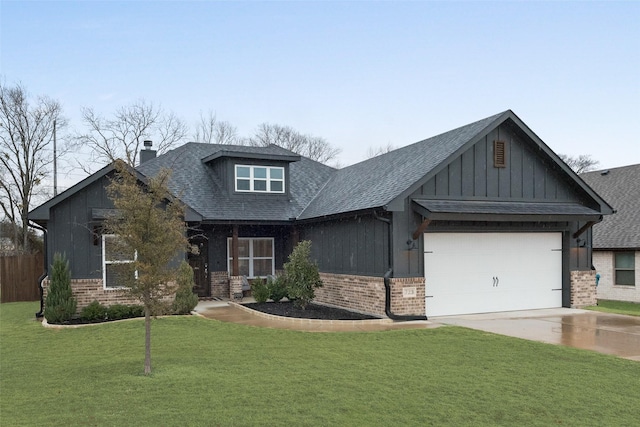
46 268
387 278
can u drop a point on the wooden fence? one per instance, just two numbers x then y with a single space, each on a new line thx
19 276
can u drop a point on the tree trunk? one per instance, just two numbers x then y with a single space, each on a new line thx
147 340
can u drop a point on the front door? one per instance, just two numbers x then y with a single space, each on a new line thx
200 264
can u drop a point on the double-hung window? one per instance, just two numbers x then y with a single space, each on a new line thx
625 270
259 179
114 257
255 256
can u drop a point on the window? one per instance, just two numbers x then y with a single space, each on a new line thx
255 257
625 268
112 257
259 179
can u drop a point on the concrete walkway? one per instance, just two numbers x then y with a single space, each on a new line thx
591 330
602 332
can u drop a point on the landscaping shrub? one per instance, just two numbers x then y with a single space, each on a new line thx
301 275
277 288
94 312
260 290
136 310
118 311
185 300
60 305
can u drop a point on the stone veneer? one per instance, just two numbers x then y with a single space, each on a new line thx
88 290
583 288
366 294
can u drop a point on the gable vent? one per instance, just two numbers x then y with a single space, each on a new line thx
499 154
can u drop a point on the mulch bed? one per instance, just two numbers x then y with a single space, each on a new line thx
313 311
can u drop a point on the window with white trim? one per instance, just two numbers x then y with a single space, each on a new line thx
112 256
259 179
255 256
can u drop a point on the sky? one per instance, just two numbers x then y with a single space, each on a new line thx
360 74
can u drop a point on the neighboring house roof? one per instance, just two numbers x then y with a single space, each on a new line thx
197 185
620 187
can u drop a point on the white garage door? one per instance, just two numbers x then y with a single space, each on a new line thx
487 272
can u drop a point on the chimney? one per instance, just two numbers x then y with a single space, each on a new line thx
147 154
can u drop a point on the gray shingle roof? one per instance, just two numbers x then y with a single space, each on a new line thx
508 207
377 181
621 188
197 185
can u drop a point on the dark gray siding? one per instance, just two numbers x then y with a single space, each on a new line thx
218 235
526 175
355 245
71 230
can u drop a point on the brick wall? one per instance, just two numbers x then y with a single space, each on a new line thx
87 290
407 296
366 294
583 288
220 284
603 261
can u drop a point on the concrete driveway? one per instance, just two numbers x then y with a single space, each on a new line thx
591 330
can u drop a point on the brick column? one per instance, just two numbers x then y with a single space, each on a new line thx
235 287
583 288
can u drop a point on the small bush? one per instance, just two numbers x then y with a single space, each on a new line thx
94 312
185 300
301 275
60 305
259 290
136 311
277 288
118 311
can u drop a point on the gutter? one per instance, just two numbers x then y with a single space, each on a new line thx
387 280
46 269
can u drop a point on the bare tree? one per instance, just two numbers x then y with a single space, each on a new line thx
581 163
26 132
123 135
213 131
313 147
376 151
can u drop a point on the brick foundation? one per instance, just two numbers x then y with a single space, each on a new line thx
366 294
88 290
219 284
583 288
403 300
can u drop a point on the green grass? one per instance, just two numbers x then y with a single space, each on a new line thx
617 307
208 373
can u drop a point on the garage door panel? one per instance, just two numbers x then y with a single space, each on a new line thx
485 272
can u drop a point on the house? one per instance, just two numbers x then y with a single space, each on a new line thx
482 218
616 240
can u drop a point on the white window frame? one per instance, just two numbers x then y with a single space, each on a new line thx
251 258
106 262
252 179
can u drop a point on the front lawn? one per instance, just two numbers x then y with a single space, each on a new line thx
209 373
617 307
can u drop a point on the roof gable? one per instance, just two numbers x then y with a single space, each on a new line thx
387 180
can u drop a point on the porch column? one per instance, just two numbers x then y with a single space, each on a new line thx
235 268
295 237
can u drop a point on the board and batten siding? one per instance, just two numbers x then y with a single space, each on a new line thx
525 176
70 230
356 245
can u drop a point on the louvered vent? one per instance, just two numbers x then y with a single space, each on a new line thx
499 154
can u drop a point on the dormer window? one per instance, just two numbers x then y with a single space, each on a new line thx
259 179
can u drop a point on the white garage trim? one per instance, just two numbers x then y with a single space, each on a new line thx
488 272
